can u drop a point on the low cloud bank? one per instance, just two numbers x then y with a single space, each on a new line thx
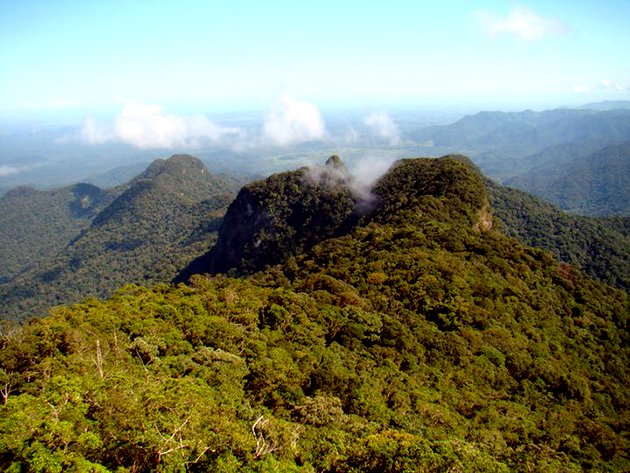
604 85
148 126
365 173
288 122
6 170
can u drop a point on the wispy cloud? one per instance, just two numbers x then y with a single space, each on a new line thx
384 127
96 133
366 171
148 126
582 89
6 170
292 121
604 85
359 178
611 85
522 23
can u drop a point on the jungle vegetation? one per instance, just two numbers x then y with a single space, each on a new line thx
166 216
417 338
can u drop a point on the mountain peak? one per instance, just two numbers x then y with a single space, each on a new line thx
333 173
176 165
450 187
280 216
335 162
290 212
180 178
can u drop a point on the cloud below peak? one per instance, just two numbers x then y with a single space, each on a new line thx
522 23
6 170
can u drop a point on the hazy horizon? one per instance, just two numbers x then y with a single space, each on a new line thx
97 84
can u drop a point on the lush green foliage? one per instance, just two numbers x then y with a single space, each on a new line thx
281 216
577 159
594 184
35 225
165 218
598 246
414 342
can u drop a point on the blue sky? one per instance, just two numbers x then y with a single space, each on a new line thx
90 56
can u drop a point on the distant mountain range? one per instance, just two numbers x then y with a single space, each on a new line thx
607 105
575 158
589 184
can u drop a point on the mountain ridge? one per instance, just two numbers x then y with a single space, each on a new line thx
24 211
596 185
412 341
510 146
165 216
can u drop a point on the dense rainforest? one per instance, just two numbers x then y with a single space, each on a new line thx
593 184
35 225
160 221
599 246
404 332
64 245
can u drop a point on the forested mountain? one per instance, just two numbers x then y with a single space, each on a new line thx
575 158
592 184
167 216
415 338
35 225
607 105
281 216
599 246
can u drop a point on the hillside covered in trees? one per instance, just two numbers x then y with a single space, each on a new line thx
577 159
35 225
593 184
166 216
599 246
411 336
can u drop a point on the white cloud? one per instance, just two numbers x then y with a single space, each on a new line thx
293 121
607 84
365 172
6 170
384 127
523 23
148 126
360 177
96 133
604 85
351 135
